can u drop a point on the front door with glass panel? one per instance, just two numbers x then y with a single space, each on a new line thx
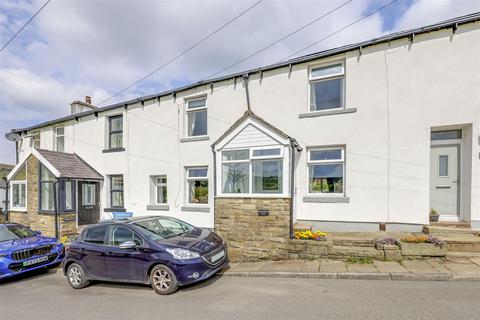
88 202
444 180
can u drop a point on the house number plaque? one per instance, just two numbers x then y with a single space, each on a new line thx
263 212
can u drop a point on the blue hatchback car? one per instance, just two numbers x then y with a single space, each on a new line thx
23 250
161 251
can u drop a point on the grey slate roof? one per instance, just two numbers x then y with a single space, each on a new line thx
70 165
451 23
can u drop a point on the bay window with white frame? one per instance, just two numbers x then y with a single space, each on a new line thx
197 185
327 84
326 171
18 186
196 119
255 170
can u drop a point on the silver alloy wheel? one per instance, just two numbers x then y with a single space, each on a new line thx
161 280
75 276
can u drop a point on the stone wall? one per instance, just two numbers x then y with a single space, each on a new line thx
251 237
43 222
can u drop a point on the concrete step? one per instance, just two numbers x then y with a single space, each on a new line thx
434 230
462 243
466 254
447 224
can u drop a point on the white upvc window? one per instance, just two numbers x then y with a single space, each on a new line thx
35 140
196 121
60 139
197 185
88 194
327 86
326 170
256 170
160 189
19 195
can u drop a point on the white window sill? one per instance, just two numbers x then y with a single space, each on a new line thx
326 199
195 208
195 138
313 114
158 207
18 209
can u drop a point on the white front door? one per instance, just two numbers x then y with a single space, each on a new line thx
445 181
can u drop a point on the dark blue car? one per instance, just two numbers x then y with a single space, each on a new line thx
161 251
23 250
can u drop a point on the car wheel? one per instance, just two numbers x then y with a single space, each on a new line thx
163 280
76 276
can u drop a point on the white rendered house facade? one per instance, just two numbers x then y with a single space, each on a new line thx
376 133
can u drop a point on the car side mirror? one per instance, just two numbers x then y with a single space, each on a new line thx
127 245
38 233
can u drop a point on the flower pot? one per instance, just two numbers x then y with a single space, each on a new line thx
434 217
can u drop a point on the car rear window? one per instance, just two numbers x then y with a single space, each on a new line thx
95 235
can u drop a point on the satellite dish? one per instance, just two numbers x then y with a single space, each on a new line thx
13 136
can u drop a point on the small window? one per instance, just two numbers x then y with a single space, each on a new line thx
95 235
197 183
327 87
160 189
326 170
443 166
19 195
69 196
268 153
196 117
46 189
116 191
115 133
88 194
60 139
120 234
35 140
446 135
267 176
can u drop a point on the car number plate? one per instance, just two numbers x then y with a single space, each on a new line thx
218 256
34 261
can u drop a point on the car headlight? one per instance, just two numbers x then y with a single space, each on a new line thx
182 254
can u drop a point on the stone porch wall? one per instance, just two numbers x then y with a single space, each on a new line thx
251 237
43 222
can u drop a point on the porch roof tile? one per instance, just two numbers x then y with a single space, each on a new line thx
70 165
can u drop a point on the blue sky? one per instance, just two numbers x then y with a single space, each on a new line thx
76 48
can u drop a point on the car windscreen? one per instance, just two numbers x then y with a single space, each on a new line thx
12 232
162 228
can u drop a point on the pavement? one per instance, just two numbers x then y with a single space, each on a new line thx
48 296
422 270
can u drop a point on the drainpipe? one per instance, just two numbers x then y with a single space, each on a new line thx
214 174
245 82
294 146
55 206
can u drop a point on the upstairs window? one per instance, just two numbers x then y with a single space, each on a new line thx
60 139
326 170
197 184
327 87
115 132
196 117
35 140
116 191
47 190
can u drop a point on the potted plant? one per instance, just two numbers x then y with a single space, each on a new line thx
434 215
423 245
